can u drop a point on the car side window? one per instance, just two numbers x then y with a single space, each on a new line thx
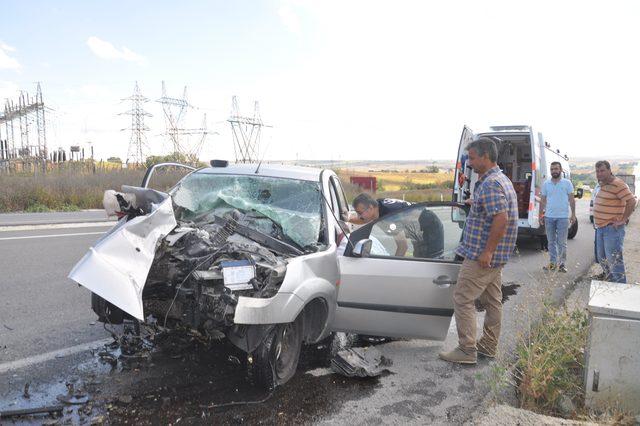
419 232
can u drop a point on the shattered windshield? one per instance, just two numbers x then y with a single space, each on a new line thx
293 206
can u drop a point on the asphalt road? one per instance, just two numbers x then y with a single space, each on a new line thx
41 309
43 312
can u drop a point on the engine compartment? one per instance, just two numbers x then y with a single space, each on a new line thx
187 284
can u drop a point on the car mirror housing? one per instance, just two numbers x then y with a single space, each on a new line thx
363 248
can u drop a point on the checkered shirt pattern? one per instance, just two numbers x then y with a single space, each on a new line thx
494 194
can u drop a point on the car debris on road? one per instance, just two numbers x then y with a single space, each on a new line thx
360 362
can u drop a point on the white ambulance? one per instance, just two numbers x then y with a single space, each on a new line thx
525 157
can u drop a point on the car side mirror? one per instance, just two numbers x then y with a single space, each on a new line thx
362 248
579 193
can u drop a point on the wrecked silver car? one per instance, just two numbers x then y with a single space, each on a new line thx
248 253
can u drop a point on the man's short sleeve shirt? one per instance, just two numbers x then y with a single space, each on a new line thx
557 194
391 205
388 206
494 194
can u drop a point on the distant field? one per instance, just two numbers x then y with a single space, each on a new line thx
398 181
409 186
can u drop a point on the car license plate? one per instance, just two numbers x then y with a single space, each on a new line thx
237 274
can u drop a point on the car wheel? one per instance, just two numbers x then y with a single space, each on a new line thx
573 230
544 243
276 358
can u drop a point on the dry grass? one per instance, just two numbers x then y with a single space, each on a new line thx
69 189
551 361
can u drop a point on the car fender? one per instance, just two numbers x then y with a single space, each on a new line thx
300 286
285 307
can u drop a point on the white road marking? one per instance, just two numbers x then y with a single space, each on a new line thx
9 228
51 236
38 359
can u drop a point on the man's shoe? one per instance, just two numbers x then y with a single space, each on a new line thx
549 267
562 268
459 356
486 351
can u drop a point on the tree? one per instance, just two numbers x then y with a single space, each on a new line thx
175 157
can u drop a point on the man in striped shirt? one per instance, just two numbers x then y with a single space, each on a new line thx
611 210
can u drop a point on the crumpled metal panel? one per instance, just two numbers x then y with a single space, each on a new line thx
116 267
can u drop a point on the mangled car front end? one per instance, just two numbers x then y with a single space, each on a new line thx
225 255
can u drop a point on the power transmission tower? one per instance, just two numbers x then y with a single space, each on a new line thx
246 133
27 112
194 152
174 111
138 147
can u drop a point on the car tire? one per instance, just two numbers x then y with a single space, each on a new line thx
544 243
275 360
573 230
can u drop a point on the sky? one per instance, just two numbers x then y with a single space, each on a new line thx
336 80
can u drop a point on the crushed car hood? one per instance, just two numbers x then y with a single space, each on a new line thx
116 267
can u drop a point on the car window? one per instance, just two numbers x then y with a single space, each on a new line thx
420 232
292 205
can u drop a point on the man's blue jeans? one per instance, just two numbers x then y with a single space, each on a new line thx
557 230
609 244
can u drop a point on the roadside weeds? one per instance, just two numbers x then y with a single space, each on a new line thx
547 372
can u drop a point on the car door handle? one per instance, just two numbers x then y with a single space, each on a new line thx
444 280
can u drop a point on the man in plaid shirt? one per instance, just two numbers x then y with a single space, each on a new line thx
487 243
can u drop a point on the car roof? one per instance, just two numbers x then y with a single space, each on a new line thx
267 170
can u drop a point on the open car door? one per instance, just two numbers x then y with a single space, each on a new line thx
397 280
464 172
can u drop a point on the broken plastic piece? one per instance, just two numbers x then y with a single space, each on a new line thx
360 362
